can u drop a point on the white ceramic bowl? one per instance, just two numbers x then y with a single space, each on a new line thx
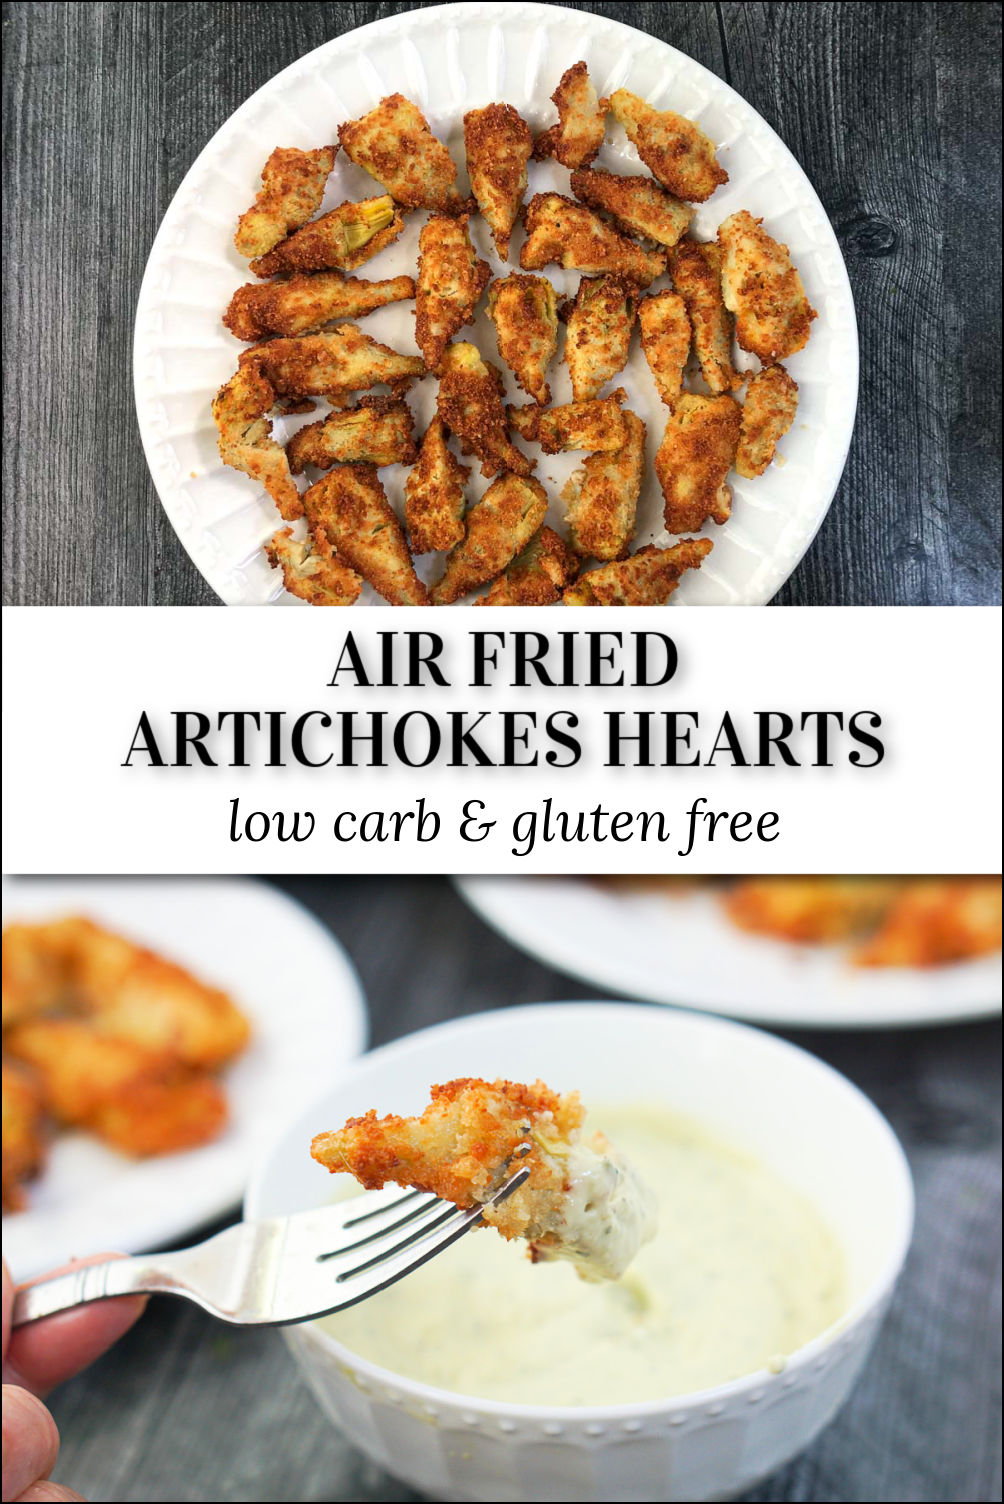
803 1120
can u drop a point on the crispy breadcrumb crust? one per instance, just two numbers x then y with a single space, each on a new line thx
594 425
470 404
647 578
350 505
537 576
524 310
665 342
696 454
768 413
498 527
292 188
696 269
498 144
638 204
311 569
936 920
601 498
676 151
377 431
762 288
809 908
394 144
599 321
434 497
578 135
306 303
23 1151
451 279
245 437
344 238
560 230
333 364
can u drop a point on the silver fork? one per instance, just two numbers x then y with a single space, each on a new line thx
283 1270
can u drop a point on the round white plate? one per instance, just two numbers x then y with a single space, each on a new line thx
685 950
451 58
295 983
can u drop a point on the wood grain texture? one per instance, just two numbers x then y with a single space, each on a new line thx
891 108
186 1409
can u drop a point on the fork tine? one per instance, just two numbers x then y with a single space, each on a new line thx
381 1232
380 1211
449 1213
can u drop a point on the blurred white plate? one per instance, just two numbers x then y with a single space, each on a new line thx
295 983
685 950
451 58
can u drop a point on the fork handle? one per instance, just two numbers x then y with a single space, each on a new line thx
106 1281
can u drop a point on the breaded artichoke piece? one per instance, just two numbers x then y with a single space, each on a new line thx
470 404
598 424
350 506
647 578
498 144
333 364
524 310
598 323
810 908
377 431
394 144
344 239
537 576
601 498
665 339
768 413
37 968
932 921
23 1144
451 279
306 303
673 148
312 570
697 452
245 437
638 204
434 499
578 136
762 288
696 270
292 186
560 230
499 527
581 1202
138 1100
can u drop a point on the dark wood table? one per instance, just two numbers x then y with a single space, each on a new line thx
892 109
185 1408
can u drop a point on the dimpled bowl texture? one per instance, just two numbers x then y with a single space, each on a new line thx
801 1119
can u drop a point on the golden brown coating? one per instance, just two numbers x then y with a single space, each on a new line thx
292 186
434 498
312 570
451 279
23 1142
499 527
768 413
306 303
37 968
601 498
137 1099
809 908
524 310
697 276
394 144
351 507
936 920
696 454
665 339
647 578
578 136
560 230
763 290
245 437
537 576
673 148
637 203
333 364
377 431
598 333
598 424
470 404
344 238
498 144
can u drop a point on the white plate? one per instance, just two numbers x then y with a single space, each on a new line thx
451 58
685 950
306 1008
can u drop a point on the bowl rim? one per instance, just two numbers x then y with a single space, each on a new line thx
869 1306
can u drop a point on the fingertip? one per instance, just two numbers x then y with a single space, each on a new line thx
47 1492
43 1353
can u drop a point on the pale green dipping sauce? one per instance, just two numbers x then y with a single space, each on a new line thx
742 1271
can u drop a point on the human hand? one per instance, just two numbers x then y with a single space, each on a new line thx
35 1357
